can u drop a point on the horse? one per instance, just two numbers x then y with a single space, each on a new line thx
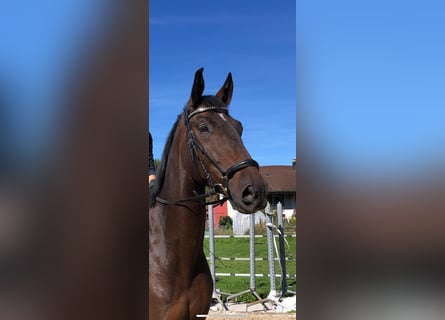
203 149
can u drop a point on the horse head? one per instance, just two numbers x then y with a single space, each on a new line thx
220 158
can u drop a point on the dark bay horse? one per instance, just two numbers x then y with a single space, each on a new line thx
203 149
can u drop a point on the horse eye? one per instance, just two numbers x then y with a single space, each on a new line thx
203 129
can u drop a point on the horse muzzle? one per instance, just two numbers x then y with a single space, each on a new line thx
251 197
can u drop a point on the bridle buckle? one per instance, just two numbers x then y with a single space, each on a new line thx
220 188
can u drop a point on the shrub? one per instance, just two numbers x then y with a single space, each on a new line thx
225 223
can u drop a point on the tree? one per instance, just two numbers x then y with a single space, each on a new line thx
157 161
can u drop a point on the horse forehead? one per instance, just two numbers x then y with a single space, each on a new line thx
222 116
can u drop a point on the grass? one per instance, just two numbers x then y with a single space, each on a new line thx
239 247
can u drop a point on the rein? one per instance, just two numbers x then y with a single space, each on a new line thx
194 144
195 198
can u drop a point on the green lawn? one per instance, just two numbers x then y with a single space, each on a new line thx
239 248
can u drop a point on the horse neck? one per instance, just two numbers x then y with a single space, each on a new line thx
181 179
181 182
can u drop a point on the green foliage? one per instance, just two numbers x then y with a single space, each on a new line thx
156 161
225 223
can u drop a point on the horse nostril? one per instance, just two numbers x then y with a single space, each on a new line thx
249 194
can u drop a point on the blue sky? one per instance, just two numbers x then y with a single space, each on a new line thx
256 41
368 76
371 84
41 44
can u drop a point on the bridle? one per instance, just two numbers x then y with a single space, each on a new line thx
194 146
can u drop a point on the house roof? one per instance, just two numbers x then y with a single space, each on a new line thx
279 178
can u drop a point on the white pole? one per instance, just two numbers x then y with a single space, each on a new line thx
282 250
273 288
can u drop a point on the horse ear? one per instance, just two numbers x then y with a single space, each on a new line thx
198 88
225 93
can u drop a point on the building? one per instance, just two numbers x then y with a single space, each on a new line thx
282 185
218 212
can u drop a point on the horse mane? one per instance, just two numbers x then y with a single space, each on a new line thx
156 185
